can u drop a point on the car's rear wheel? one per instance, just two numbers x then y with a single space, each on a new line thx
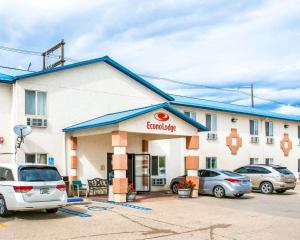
3 209
174 188
266 187
52 210
281 190
239 195
219 192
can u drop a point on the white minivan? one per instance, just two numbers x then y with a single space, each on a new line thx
30 187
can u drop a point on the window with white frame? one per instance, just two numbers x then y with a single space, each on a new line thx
158 166
254 127
269 129
211 162
191 114
211 122
269 161
253 161
298 132
35 103
36 158
298 165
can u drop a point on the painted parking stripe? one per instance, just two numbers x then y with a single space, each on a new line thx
3 225
73 212
124 205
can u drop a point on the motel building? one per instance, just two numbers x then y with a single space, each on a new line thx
97 119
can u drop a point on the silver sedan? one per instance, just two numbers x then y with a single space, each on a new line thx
219 183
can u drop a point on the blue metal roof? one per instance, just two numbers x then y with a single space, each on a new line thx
109 61
118 117
4 78
226 107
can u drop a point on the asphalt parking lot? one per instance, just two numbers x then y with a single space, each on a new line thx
255 216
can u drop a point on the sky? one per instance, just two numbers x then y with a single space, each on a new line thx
221 43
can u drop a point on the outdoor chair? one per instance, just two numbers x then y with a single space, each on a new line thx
78 186
97 185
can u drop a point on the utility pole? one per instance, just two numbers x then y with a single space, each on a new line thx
61 60
252 96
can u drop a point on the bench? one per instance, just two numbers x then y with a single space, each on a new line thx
98 185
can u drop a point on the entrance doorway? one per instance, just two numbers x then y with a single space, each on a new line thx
138 172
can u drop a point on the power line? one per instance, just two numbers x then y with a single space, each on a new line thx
18 69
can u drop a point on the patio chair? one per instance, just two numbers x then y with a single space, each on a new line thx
78 186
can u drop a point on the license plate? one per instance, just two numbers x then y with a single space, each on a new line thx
245 182
44 190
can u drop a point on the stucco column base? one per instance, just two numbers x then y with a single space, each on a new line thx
110 193
195 193
120 197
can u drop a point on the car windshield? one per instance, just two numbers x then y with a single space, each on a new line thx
283 170
38 174
231 174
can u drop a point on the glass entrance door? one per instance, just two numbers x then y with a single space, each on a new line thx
142 172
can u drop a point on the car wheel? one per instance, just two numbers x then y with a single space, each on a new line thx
239 195
266 187
281 190
52 210
174 188
219 192
3 209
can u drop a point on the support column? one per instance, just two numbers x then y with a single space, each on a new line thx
73 159
120 182
192 162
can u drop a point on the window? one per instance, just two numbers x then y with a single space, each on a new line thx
269 129
299 165
211 122
207 173
298 132
269 161
6 175
253 127
36 158
35 102
253 161
38 174
211 162
158 165
191 115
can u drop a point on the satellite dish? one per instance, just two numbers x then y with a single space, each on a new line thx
22 130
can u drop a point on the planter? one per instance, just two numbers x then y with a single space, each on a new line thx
131 196
184 193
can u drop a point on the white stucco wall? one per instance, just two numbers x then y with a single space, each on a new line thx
6 122
73 96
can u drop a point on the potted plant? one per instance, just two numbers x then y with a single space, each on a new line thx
185 188
131 193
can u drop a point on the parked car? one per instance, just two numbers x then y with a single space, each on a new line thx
30 187
219 183
268 178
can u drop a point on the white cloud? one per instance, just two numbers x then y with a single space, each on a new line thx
289 110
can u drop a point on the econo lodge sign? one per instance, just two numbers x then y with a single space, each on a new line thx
161 117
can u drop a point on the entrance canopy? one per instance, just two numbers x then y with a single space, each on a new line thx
160 119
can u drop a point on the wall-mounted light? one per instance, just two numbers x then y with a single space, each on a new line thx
233 120
1 140
286 125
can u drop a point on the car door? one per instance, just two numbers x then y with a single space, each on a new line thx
209 181
251 172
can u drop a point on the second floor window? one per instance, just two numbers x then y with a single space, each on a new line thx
269 129
211 122
253 127
35 103
191 115
211 162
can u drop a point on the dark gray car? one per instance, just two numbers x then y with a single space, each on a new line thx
219 183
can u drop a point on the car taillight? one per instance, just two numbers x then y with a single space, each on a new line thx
233 180
22 189
61 187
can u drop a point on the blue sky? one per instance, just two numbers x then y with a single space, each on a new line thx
224 43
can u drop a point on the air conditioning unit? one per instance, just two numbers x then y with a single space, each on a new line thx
212 136
270 140
37 122
158 181
254 139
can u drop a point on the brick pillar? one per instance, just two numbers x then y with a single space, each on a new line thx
73 159
192 162
120 182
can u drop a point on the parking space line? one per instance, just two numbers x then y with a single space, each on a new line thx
75 213
124 205
3 225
